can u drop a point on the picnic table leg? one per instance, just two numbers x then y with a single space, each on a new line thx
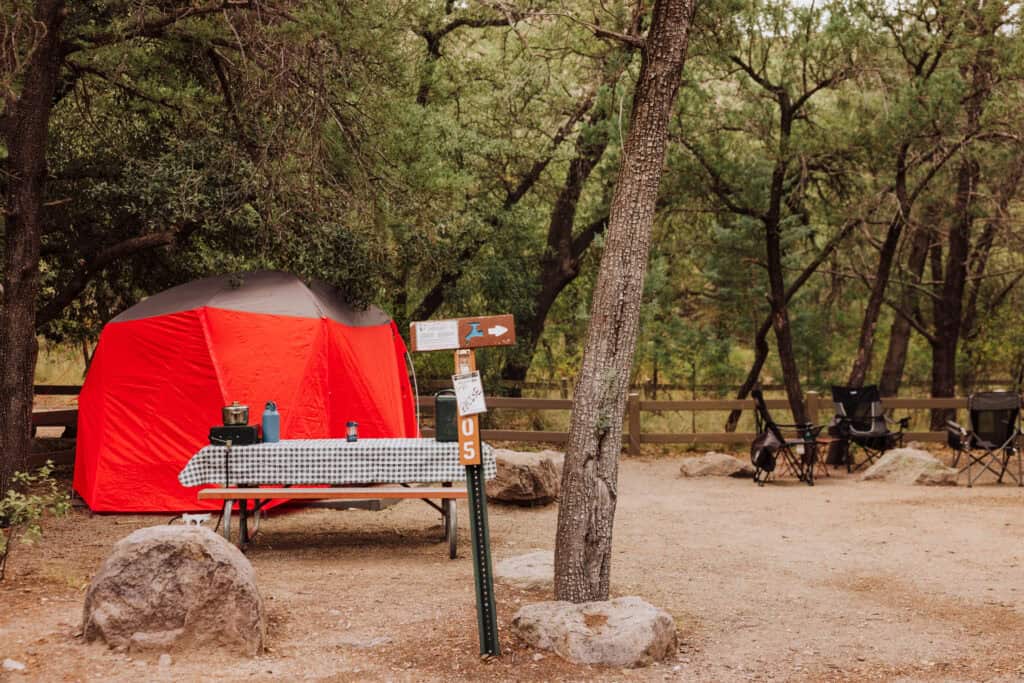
451 527
225 521
243 523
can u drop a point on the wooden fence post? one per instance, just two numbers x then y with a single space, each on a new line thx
633 411
565 387
813 402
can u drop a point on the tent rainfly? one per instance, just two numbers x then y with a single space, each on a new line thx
164 368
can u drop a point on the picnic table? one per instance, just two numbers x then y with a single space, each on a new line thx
293 469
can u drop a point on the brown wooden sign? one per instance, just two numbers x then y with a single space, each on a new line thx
463 333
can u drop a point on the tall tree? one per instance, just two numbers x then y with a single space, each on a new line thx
24 126
768 165
237 90
923 44
589 481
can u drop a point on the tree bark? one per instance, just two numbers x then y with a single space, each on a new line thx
948 306
773 252
947 311
24 129
899 333
761 336
886 257
589 481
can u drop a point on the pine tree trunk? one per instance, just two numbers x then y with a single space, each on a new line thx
948 307
899 333
589 480
561 260
24 129
776 282
869 324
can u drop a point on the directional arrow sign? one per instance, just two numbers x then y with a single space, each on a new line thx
463 333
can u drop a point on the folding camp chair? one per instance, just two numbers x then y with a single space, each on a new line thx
861 420
799 455
992 439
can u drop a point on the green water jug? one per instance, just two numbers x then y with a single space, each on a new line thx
446 416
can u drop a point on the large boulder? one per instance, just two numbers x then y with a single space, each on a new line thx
175 587
911 466
626 632
526 478
713 464
532 571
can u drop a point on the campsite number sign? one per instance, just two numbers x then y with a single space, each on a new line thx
469 437
463 335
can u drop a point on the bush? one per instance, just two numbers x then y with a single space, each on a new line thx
28 499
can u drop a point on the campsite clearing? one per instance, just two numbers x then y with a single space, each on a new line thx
843 581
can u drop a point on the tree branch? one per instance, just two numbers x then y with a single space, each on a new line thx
756 77
582 241
912 320
722 189
530 177
131 90
78 282
152 28
834 79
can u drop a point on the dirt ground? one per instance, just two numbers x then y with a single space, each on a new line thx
845 581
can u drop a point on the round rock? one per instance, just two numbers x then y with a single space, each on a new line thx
526 478
532 571
911 466
175 587
624 632
713 464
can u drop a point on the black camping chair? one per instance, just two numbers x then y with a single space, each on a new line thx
770 442
861 420
992 439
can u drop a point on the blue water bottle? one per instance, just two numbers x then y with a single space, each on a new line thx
271 423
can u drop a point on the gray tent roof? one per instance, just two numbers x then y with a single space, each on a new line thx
269 292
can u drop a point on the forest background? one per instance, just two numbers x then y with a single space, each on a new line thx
841 201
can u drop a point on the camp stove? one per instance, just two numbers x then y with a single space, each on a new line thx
238 435
235 428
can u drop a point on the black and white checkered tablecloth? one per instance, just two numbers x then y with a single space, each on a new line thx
331 461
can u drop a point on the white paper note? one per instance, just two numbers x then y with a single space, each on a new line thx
469 393
435 335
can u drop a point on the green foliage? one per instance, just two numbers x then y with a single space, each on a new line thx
30 497
380 149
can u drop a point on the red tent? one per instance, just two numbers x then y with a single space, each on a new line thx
164 368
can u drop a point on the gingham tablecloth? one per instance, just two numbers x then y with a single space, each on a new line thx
331 461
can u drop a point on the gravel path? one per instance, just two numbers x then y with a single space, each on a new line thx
844 581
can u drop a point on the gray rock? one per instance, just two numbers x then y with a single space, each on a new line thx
910 466
526 478
713 464
175 587
626 632
531 571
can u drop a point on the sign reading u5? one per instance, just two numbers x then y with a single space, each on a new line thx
469 440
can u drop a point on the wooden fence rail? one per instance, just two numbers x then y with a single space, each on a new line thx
819 410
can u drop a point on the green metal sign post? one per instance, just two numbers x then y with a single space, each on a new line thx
463 335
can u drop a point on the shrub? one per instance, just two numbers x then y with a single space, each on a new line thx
29 498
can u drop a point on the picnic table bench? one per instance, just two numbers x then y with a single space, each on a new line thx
291 469
263 495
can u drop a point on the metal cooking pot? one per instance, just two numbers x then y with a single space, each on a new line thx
235 414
